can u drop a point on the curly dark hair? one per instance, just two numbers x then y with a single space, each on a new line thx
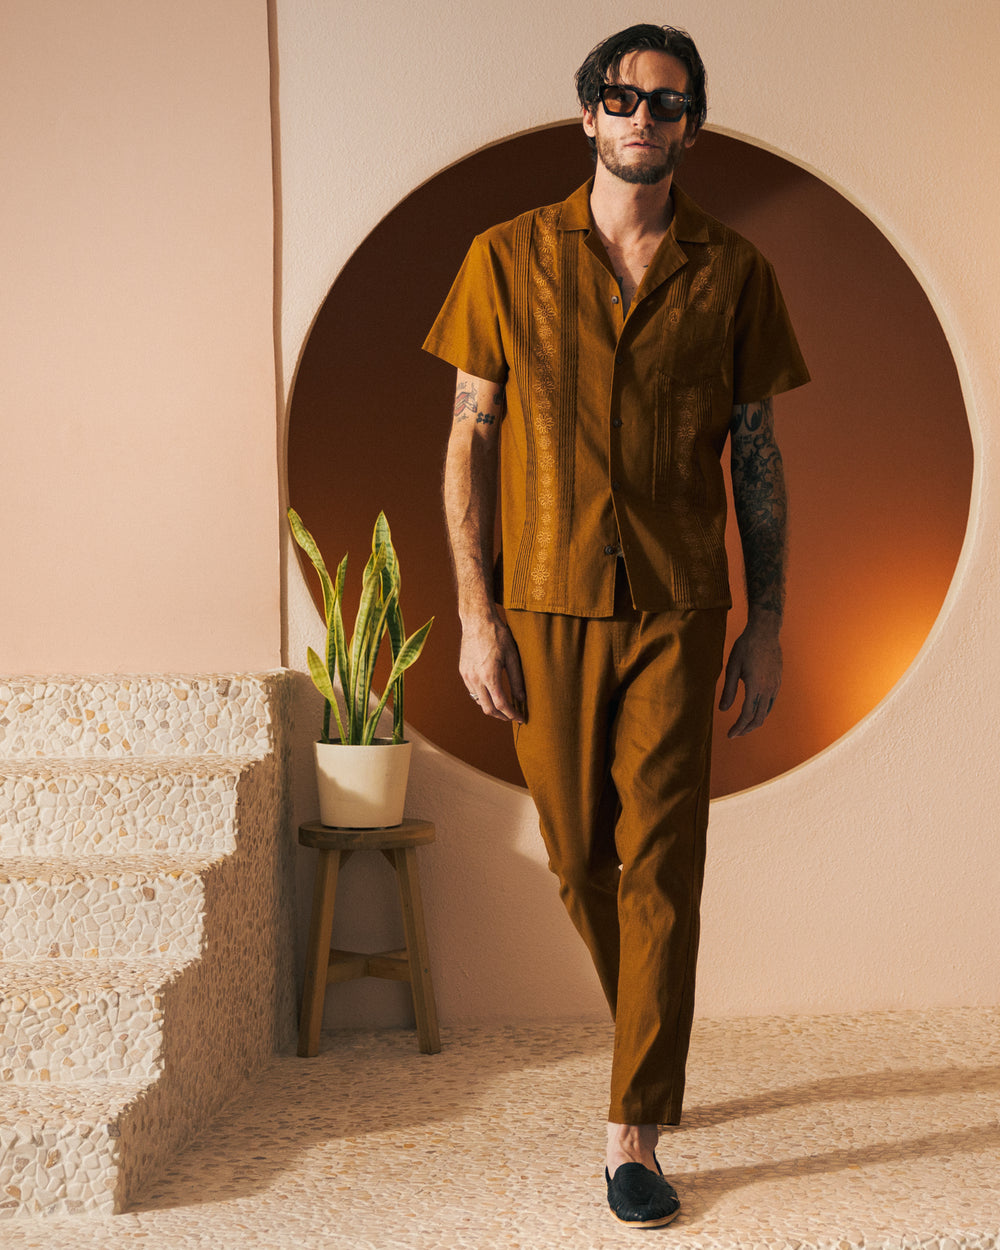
602 64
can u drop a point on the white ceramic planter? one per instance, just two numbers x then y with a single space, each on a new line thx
362 787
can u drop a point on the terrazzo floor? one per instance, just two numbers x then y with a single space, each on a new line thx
839 1132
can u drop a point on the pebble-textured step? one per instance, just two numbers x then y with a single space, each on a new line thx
113 807
135 906
145 922
63 1021
100 717
60 1146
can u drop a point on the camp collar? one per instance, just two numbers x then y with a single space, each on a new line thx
689 222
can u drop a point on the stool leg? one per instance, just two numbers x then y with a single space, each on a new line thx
318 952
405 860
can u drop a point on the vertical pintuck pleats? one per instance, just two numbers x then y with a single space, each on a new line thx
521 346
545 365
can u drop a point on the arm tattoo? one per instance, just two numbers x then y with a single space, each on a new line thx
487 418
467 404
466 401
761 503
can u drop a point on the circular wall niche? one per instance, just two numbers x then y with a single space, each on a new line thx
877 448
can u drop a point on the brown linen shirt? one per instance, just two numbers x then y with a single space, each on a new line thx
615 422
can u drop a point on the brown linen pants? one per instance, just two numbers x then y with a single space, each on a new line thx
616 752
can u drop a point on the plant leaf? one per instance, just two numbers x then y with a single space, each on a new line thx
382 540
375 647
381 537
308 545
322 682
410 651
370 723
364 645
323 678
336 641
409 654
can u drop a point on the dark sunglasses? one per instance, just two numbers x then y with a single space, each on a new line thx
664 106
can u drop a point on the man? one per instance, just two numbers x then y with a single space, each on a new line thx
606 347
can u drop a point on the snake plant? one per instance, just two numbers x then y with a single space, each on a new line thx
353 665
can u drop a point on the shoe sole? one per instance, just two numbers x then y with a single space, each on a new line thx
662 1222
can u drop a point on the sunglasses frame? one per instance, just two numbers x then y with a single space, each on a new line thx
648 96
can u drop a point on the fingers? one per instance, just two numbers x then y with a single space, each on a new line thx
490 692
493 702
756 663
731 686
753 714
491 669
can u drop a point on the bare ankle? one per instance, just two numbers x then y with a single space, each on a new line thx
632 1143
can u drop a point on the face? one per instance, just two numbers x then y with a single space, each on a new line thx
639 149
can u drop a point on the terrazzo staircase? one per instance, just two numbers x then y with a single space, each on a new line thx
145 922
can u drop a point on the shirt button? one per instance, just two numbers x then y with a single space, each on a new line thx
616 422
615 485
609 550
614 299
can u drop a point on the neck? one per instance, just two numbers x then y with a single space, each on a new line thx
628 211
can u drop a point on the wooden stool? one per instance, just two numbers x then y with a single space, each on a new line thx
398 844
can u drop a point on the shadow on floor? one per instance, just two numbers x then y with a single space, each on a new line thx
368 1098
364 1084
889 1083
703 1188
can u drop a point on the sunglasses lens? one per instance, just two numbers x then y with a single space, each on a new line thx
619 100
664 106
668 107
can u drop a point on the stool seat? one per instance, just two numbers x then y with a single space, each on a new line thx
398 843
334 838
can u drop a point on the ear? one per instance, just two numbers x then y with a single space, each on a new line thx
588 122
690 136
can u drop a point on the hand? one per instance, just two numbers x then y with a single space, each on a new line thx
489 654
755 660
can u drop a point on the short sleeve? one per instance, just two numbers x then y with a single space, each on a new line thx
467 331
766 355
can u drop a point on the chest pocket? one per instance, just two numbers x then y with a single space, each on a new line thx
693 345
693 399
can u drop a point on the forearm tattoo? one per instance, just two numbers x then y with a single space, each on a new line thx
761 503
467 404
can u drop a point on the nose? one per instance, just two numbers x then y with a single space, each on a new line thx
642 116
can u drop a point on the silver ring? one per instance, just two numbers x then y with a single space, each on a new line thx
473 697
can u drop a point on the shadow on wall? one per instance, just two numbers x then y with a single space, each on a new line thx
877 449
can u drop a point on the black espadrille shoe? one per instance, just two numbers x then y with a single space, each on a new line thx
639 1198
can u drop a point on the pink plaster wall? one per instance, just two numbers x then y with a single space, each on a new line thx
138 475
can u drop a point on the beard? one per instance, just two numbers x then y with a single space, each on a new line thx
644 172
